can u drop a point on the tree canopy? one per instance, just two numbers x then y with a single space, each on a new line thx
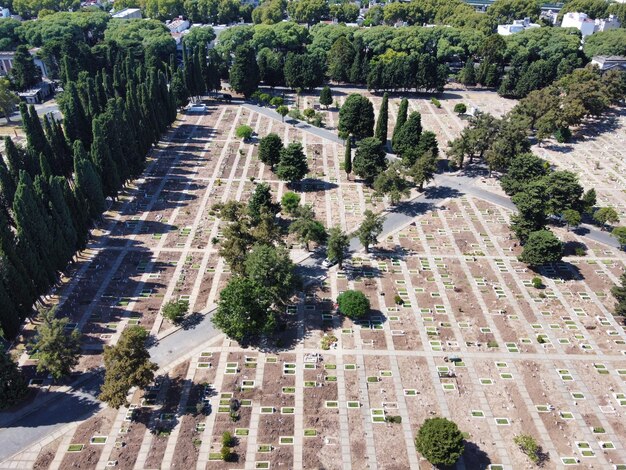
353 304
440 441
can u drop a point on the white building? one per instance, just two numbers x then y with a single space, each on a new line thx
178 25
605 63
586 25
128 14
6 62
517 27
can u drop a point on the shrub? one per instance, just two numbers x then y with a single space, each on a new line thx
353 304
277 101
309 113
492 344
440 441
290 202
398 300
537 282
528 445
393 419
226 454
175 310
227 439
327 341
460 108
580 251
244 132
436 102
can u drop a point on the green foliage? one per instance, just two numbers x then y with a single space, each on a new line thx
356 117
244 72
127 365
537 282
440 441
175 310
8 99
460 108
340 58
306 228
290 202
293 165
276 101
326 97
620 234
13 386
381 124
347 159
542 247
338 243
198 37
400 120
436 102
572 217
244 132
227 439
353 304
563 191
528 445
607 43
392 183
244 310
58 351
618 291
282 110
523 169
261 202
606 215
369 159
308 11
424 169
24 73
588 201
408 136
370 228
271 268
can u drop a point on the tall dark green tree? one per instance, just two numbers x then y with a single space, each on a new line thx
24 72
87 184
13 386
381 124
356 117
244 73
347 159
400 120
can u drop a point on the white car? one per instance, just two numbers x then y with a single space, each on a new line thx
327 263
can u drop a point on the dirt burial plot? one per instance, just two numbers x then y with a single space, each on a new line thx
321 415
91 434
188 443
46 455
167 416
356 430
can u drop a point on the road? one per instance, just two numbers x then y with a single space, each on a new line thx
80 403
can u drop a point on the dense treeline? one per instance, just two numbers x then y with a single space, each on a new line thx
53 188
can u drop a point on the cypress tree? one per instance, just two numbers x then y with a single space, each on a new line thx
14 159
61 211
7 186
408 136
101 157
75 120
9 320
60 251
402 115
347 162
381 124
13 387
35 137
87 184
79 213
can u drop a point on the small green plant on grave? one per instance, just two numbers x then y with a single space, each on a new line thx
175 310
492 344
537 282
436 102
215 241
580 251
528 445
234 416
234 404
542 295
197 443
393 419
227 454
398 300
227 439
327 341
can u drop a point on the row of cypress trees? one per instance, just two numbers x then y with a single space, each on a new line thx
53 189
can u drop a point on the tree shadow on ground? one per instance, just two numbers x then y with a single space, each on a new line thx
590 129
475 457
561 270
574 248
310 185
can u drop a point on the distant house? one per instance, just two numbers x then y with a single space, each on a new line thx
517 27
178 25
128 14
614 62
6 62
38 93
586 25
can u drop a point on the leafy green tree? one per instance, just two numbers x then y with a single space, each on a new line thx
424 169
542 247
620 234
588 201
326 97
356 117
235 244
353 304
347 159
308 11
304 71
340 58
290 202
244 310
244 132
392 183
271 268
244 73
175 310
400 120
608 43
408 136
87 184
369 159
523 169
606 215
381 124
24 73
572 218
13 386
531 206
8 99
261 201
127 365
467 75
370 229
440 441
563 191
338 243
282 110
58 351
306 228
293 165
